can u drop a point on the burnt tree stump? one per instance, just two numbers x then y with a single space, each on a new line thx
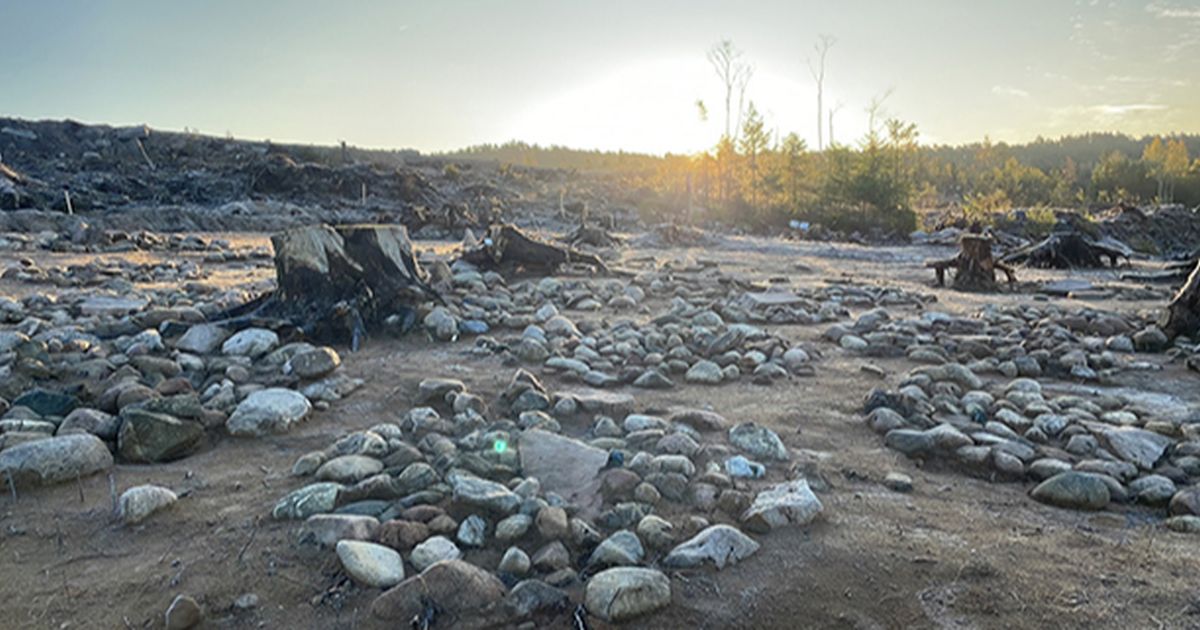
335 283
974 267
506 246
1182 315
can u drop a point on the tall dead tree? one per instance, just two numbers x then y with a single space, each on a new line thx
818 74
726 61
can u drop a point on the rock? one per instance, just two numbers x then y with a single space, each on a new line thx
788 503
531 596
461 590
621 549
434 390
653 379
719 544
402 535
251 342
370 564
1150 339
565 466
1137 446
148 437
1186 524
44 402
183 613
349 468
1073 490
55 459
434 550
513 527
304 502
85 420
202 339
314 363
327 529
758 441
657 532
515 562
700 419
898 482
482 493
472 531
910 442
266 411
623 593
1155 490
110 305
1186 501
139 502
552 523
552 557
704 372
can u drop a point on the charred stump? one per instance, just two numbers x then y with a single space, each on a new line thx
1068 248
1182 316
592 235
336 283
506 246
974 267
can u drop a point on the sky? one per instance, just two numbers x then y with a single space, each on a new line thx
613 74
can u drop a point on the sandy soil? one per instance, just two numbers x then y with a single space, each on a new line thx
957 552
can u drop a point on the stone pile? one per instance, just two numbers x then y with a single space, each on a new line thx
97 273
1012 341
499 513
1086 449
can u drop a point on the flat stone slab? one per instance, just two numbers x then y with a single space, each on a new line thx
565 466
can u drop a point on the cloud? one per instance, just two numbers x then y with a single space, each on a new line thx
1166 11
1123 110
1008 90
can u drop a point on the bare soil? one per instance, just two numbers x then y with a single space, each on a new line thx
957 552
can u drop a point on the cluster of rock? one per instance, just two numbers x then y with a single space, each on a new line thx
83 237
1012 341
501 515
1087 450
70 400
98 273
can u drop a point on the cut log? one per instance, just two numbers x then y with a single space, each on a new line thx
974 267
335 284
1182 315
506 246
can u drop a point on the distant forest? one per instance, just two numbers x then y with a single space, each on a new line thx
882 180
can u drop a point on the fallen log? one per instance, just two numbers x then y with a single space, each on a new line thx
974 267
1068 248
1182 315
592 235
337 283
506 246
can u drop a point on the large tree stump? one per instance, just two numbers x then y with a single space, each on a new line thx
975 269
1182 315
336 283
505 245
1068 248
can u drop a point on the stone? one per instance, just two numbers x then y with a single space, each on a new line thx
327 529
483 493
202 339
370 564
788 503
514 562
552 523
1155 490
1073 490
139 502
704 372
718 544
56 459
251 342
529 597
1186 524
147 437
434 550
910 442
758 441
86 420
349 468
552 557
472 531
266 411
304 502
461 590
620 549
183 613
401 534
656 531
315 363
513 527
1139 447
624 593
653 379
45 402
1186 501
898 482
566 467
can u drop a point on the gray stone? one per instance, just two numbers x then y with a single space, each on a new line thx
513 527
624 593
327 529
433 550
304 502
349 468
472 531
251 342
566 467
788 503
1073 490
483 493
758 441
1137 446
156 437
202 339
621 549
515 562
266 411
704 372
183 613
56 459
719 544
370 564
910 442
139 502
314 363
529 597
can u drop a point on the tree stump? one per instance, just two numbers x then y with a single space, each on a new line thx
975 269
1182 316
505 245
336 283
1067 249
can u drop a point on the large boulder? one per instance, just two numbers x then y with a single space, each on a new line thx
147 437
624 593
564 466
788 503
463 592
1074 490
45 402
266 411
56 459
718 544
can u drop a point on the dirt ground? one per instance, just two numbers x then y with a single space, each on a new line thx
957 552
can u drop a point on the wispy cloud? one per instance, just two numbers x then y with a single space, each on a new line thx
1008 90
1167 11
1124 110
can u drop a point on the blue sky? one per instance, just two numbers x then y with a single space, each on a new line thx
615 74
